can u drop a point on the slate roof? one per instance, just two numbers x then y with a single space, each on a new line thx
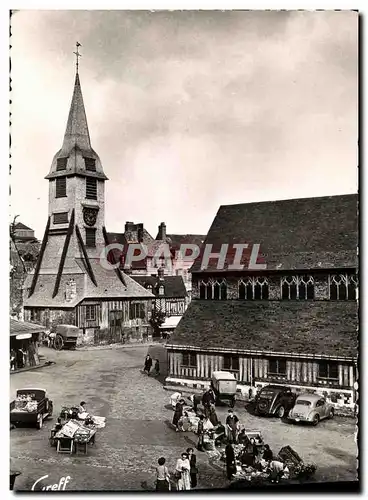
18 327
305 233
19 225
324 328
175 240
108 286
174 286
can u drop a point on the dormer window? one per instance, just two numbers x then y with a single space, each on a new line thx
90 164
161 290
149 288
61 164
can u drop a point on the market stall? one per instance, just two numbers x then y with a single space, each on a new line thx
75 435
251 460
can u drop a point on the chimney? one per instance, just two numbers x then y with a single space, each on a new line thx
140 233
161 273
161 231
129 226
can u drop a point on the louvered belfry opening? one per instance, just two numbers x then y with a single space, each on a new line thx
90 237
91 188
61 187
90 164
61 218
61 164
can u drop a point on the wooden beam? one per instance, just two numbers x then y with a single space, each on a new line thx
85 255
117 269
40 257
63 255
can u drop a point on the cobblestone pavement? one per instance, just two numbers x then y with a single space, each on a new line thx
138 429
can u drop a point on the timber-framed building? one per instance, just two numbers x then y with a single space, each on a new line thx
294 322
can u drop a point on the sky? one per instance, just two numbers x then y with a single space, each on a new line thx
187 110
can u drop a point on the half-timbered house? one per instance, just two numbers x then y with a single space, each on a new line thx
291 321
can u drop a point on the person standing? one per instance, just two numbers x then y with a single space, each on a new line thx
195 399
183 472
12 360
267 453
230 461
162 476
147 364
157 368
177 416
213 416
193 467
200 433
232 425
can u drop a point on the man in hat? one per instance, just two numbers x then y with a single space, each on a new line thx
232 427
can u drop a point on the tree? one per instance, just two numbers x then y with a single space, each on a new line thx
157 319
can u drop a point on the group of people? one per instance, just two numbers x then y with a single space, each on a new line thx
22 357
185 474
253 457
148 362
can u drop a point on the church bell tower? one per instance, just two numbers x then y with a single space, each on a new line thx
77 181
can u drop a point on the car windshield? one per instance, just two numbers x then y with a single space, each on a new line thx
267 394
303 402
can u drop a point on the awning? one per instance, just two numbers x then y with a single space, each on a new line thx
170 323
22 327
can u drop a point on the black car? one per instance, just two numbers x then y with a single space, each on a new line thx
274 400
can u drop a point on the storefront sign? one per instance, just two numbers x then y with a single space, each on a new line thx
24 336
60 486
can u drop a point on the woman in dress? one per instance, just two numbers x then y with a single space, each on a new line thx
230 461
177 416
163 476
193 467
182 471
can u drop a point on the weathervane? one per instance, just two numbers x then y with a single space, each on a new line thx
77 54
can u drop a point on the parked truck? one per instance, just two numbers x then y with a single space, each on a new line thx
31 406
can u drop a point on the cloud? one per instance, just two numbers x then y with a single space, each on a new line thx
189 109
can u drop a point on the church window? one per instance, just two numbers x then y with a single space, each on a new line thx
91 188
231 363
61 218
61 187
189 359
213 290
61 164
253 288
297 287
277 367
328 370
90 164
90 237
343 286
90 313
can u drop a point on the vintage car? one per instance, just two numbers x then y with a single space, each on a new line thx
311 408
31 406
223 385
274 400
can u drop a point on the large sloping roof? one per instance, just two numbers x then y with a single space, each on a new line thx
306 233
323 328
173 285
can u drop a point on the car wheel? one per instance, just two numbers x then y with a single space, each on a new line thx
40 423
332 413
280 412
315 420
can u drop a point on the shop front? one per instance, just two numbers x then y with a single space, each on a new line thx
24 341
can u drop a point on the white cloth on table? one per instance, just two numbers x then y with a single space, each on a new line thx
207 425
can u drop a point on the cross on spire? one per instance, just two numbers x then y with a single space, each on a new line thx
77 54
